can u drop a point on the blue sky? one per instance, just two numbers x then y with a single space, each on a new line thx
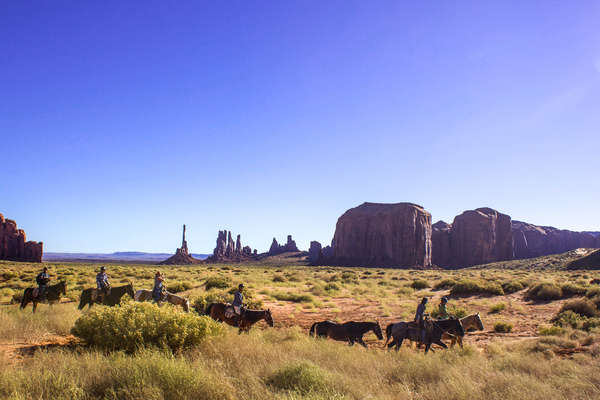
120 121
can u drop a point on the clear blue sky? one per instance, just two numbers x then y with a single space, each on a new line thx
122 120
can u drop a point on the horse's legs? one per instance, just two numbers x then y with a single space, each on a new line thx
399 343
34 306
439 342
427 347
362 343
460 342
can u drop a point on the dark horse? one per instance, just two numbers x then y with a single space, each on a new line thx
409 330
347 332
90 296
218 312
53 294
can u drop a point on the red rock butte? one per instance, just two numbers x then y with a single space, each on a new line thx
13 244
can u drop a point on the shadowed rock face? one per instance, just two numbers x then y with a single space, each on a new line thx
277 248
534 241
375 234
13 244
475 237
481 236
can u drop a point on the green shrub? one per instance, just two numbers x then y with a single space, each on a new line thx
331 287
468 287
582 307
217 282
544 292
453 311
445 284
496 308
137 325
502 327
419 284
512 287
570 289
550 330
590 323
568 319
177 287
293 297
278 278
593 292
201 302
301 377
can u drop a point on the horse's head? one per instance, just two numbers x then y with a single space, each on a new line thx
377 331
62 288
479 322
269 318
129 290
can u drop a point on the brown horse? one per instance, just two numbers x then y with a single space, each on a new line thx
53 294
218 312
347 332
90 296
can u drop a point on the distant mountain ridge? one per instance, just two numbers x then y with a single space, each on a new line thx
129 256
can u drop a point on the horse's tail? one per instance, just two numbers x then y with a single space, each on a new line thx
388 333
312 329
208 309
83 300
25 298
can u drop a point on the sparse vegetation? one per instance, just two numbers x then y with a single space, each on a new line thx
470 288
419 284
503 327
545 292
217 282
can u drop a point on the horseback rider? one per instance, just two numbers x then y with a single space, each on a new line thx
238 302
420 318
42 281
442 312
103 285
158 292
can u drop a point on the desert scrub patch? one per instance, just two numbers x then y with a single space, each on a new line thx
279 278
546 291
293 297
216 282
445 284
550 330
570 289
302 377
512 287
583 307
137 325
177 287
503 327
469 287
593 292
419 284
497 308
453 310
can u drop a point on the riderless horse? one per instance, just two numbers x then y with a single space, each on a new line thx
350 332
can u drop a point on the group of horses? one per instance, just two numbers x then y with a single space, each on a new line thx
352 332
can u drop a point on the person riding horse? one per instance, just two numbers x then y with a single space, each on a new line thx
42 281
238 302
103 285
420 319
442 312
159 291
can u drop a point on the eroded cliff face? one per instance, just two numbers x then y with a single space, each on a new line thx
386 235
534 241
13 244
475 237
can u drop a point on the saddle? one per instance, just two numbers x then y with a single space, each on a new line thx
229 311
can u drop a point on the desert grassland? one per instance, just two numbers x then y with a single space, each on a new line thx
537 359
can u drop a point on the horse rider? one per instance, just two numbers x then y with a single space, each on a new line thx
103 285
42 281
238 302
158 292
420 318
442 312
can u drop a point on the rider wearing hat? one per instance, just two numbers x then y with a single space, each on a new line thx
238 301
420 316
159 287
42 281
103 285
442 312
